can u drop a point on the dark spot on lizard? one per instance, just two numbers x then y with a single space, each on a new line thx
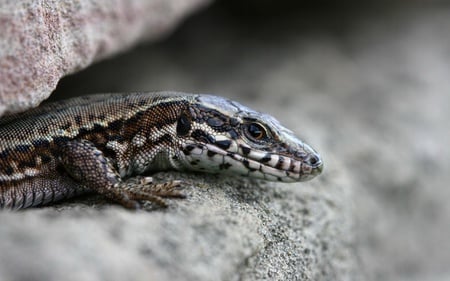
9 170
292 166
187 150
65 126
165 139
280 162
203 136
224 144
46 159
23 148
247 165
234 122
233 134
183 125
117 138
40 143
24 164
214 122
60 140
98 128
83 131
266 158
115 125
211 153
245 150
78 120
4 154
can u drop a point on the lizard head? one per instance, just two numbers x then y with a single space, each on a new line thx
220 135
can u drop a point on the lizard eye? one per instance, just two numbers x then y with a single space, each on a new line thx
256 131
183 125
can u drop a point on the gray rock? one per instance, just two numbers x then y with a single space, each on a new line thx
228 229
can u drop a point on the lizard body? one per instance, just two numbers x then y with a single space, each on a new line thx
104 143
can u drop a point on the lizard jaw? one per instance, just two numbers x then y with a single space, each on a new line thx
257 164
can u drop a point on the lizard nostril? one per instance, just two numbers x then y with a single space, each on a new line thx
314 160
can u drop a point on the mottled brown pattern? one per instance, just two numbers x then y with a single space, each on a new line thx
102 143
101 117
32 142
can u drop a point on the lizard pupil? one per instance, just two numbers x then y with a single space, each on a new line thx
256 131
183 125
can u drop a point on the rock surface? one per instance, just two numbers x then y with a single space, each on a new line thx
228 229
42 41
367 89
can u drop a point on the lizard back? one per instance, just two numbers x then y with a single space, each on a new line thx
29 140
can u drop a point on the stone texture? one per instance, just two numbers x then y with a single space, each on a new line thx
42 41
227 229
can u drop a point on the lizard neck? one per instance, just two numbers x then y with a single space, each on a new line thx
150 141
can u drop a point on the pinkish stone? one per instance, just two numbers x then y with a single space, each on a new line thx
41 41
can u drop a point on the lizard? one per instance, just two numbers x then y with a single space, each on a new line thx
111 143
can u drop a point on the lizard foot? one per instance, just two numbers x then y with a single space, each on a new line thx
131 191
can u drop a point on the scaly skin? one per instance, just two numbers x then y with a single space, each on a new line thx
103 143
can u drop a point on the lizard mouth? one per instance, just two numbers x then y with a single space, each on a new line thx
257 164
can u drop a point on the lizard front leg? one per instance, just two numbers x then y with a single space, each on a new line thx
88 165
